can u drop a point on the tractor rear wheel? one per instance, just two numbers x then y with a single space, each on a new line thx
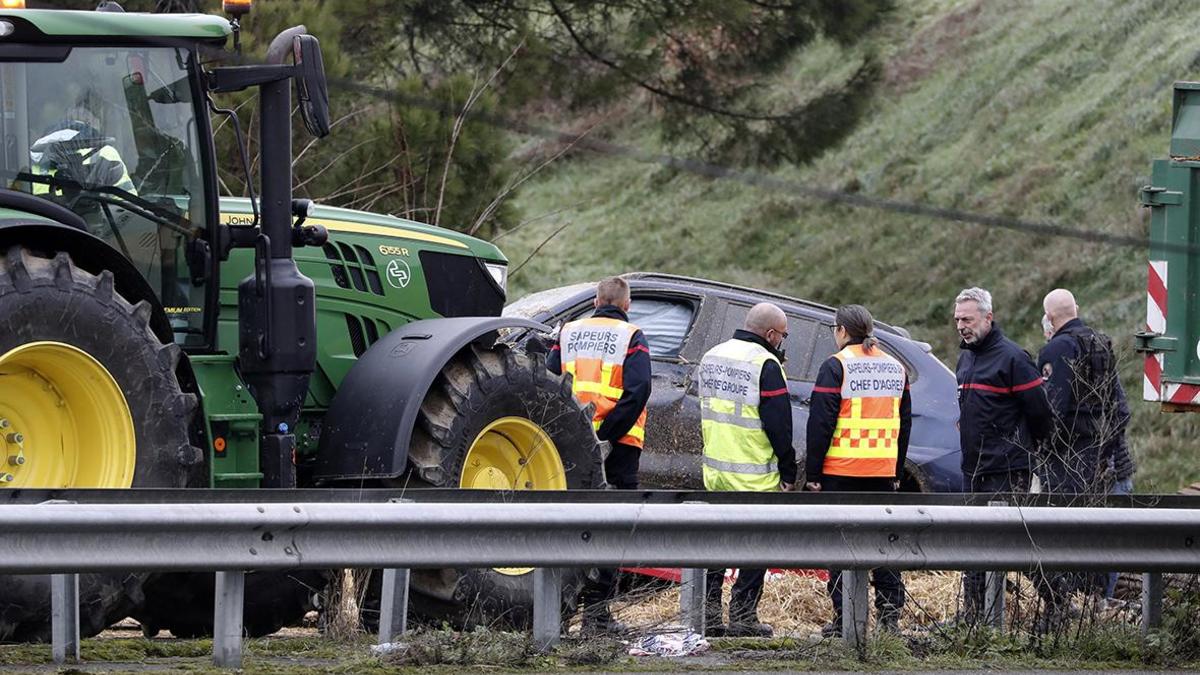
495 419
88 399
182 602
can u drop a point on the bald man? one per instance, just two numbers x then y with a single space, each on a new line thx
746 421
1088 452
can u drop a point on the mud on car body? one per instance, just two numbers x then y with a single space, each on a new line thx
684 317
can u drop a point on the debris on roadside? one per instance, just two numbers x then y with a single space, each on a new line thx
683 642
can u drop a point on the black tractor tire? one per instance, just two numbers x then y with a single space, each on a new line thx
183 603
475 388
45 296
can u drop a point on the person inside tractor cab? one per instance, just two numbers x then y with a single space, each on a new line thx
76 154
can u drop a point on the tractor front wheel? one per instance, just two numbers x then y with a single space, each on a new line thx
496 419
88 399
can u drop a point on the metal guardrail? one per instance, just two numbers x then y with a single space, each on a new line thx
229 538
458 496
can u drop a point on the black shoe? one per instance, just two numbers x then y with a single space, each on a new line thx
601 626
597 620
1054 618
758 630
833 629
955 623
715 630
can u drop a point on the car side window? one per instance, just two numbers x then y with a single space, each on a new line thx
909 369
735 319
826 347
664 321
798 345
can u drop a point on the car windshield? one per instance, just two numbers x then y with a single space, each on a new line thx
111 134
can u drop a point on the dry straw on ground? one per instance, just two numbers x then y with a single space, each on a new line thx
798 605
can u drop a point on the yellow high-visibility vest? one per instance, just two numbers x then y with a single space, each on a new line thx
866 439
737 453
91 158
593 352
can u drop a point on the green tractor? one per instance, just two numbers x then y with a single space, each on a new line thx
155 334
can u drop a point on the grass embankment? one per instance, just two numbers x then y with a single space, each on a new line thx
1043 110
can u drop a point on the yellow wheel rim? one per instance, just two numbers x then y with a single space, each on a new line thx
63 420
513 453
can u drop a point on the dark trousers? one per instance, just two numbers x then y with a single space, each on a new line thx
621 466
974 582
621 473
889 587
743 600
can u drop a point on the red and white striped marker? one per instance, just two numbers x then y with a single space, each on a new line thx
1153 388
1156 322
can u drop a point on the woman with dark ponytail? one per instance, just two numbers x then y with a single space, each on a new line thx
858 427
858 325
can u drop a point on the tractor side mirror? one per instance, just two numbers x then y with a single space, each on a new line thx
311 90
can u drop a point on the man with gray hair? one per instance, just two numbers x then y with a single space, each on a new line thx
1003 412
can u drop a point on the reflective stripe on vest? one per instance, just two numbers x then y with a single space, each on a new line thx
737 454
866 439
103 166
593 352
732 467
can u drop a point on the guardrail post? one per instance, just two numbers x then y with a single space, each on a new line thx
1152 601
227 619
64 617
393 605
855 608
993 599
691 598
547 608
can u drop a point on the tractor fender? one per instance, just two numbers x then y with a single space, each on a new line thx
366 432
89 253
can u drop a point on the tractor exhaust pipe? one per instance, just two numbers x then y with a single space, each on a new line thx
277 304
277 342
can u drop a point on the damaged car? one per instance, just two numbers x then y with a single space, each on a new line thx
684 317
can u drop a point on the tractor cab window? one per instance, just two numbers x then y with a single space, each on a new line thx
110 133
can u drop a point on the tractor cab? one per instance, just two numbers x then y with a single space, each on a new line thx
117 135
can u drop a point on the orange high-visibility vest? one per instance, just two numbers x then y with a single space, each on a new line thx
593 352
867 436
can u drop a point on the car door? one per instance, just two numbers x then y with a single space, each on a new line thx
668 320
824 346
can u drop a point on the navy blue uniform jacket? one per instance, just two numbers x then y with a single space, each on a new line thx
1003 411
1055 361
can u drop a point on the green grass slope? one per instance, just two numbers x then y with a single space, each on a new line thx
1048 110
